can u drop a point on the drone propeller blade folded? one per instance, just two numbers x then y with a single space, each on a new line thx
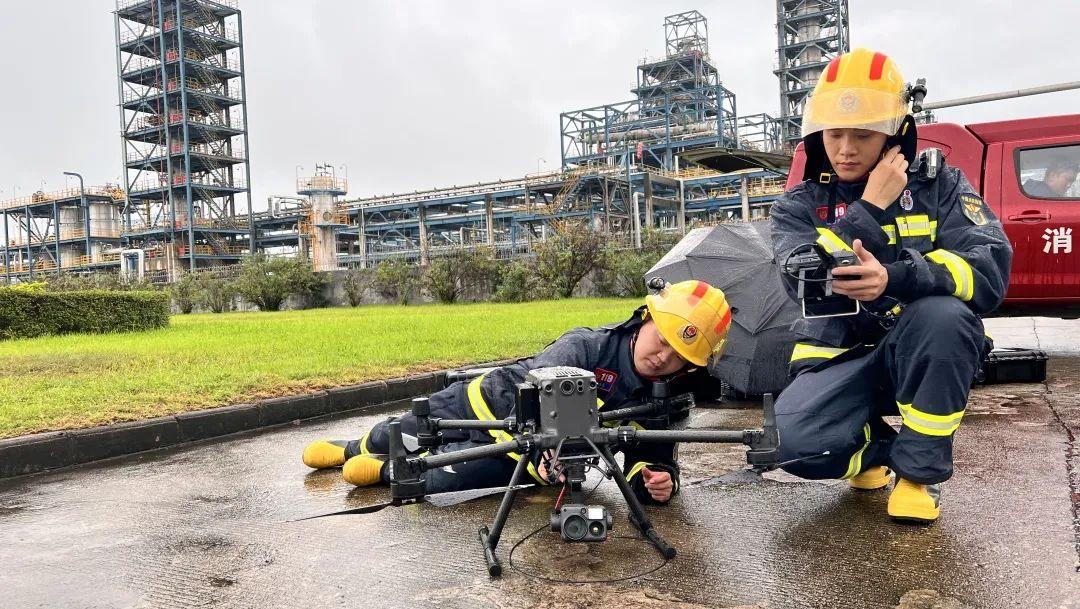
367 509
455 497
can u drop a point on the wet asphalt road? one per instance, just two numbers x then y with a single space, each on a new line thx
206 526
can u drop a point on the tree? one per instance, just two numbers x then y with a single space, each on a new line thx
396 280
574 251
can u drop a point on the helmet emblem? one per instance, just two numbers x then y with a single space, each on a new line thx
688 333
849 101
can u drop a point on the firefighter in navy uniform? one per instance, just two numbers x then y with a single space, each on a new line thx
932 258
671 337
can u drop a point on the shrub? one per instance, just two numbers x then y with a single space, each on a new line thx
623 274
574 251
355 284
215 292
68 282
25 314
267 282
396 280
185 292
461 274
517 283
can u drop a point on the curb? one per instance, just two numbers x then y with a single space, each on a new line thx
40 452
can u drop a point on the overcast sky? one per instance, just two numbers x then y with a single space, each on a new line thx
420 94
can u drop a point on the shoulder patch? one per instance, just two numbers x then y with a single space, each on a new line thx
974 209
605 380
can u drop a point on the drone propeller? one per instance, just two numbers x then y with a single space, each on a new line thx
446 499
367 509
455 497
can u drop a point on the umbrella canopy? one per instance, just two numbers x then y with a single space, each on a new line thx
738 259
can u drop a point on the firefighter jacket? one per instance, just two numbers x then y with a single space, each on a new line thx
608 352
938 238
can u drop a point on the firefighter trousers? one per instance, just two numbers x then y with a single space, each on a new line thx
450 403
921 370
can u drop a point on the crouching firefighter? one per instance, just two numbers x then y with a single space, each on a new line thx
670 338
931 257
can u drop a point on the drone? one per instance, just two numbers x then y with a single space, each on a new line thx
555 412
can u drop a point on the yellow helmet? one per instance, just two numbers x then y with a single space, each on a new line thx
860 89
693 317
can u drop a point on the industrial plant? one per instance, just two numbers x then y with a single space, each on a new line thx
677 154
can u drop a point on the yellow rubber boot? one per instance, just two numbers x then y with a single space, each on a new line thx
362 470
325 453
915 502
872 479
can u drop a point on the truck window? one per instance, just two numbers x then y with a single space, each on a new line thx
1049 173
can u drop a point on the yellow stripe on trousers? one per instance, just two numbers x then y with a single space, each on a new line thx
483 412
930 424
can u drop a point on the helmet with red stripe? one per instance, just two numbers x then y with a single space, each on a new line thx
693 317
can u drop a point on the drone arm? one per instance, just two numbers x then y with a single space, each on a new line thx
508 425
520 444
685 435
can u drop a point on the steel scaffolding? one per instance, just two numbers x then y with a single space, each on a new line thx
183 119
680 104
810 33
73 230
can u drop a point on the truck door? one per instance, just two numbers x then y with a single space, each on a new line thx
1040 208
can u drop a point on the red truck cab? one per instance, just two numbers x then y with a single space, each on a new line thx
1006 162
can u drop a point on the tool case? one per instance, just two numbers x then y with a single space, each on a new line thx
1012 366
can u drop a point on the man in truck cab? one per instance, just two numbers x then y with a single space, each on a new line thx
932 258
1060 174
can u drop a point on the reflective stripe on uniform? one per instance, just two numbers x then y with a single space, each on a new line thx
809 351
483 413
831 241
917 225
637 468
960 271
364 450
930 424
855 463
890 232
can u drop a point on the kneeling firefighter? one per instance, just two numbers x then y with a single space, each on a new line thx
670 338
932 258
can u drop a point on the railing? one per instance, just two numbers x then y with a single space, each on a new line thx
322 183
113 192
180 180
65 235
145 32
194 117
123 4
178 148
230 90
206 250
481 188
182 224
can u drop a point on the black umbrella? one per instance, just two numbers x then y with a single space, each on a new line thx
738 259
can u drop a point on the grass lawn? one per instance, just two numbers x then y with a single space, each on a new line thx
202 361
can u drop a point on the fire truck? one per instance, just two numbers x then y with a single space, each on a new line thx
1006 162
